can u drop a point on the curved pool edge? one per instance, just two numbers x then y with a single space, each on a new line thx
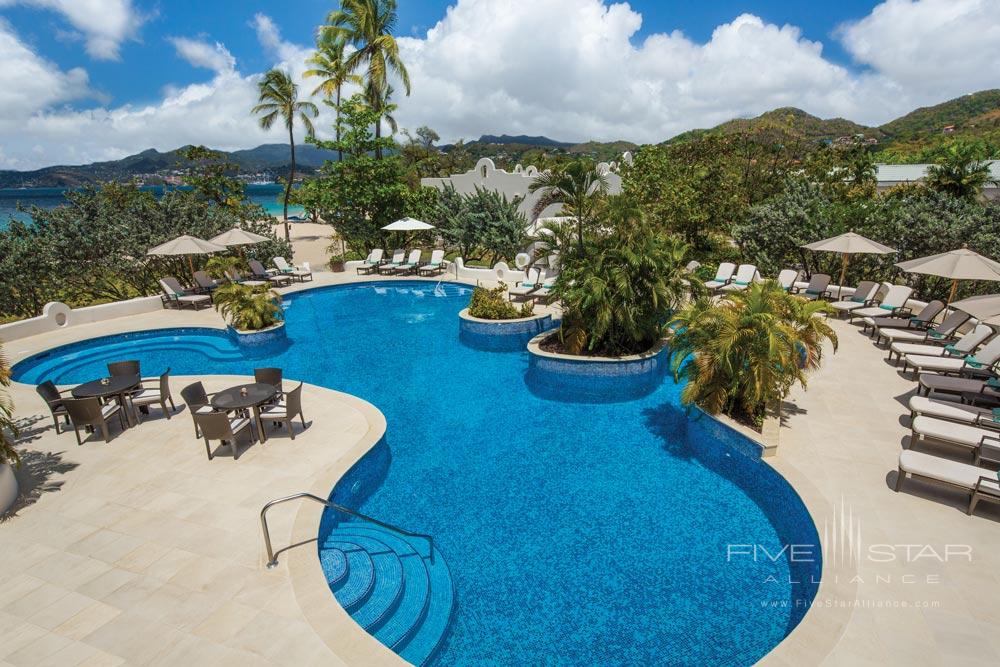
331 623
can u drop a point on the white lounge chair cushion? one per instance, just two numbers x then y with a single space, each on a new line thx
959 434
944 470
874 311
194 298
714 284
941 364
734 287
903 335
913 349
253 283
958 412
847 305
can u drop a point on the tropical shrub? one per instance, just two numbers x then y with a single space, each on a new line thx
579 188
618 295
8 428
484 226
748 350
492 304
248 309
219 265
960 172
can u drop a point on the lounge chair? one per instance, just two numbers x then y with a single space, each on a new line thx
206 284
260 273
940 334
745 275
53 398
947 410
893 303
982 440
285 410
237 277
932 348
90 412
956 364
435 266
390 267
983 389
787 278
372 262
918 322
723 275
861 298
177 297
157 394
816 289
980 483
543 293
411 264
220 426
196 399
531 283
296 273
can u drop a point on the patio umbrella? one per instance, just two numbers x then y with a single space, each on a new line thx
961 264
849 244
237 238
186 245
984 308
408 225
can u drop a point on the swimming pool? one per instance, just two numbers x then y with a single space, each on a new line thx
574 533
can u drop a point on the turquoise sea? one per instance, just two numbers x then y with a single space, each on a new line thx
266 195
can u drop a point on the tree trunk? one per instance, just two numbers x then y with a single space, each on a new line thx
378 137
288 185
340 152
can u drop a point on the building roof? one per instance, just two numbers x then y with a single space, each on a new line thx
902 173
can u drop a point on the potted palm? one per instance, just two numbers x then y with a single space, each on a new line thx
254 315
9 458
491 322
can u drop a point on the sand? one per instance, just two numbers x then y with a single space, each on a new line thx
309 242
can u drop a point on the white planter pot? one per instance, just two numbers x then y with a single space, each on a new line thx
8 488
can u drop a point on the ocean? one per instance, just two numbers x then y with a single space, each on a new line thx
267 196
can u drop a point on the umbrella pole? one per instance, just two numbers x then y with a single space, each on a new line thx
954 288
843 275
191 266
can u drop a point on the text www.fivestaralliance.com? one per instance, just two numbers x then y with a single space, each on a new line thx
855 604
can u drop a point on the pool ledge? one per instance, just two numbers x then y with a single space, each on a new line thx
345 638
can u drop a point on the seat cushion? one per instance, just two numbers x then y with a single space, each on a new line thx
278 411
146 396
238 424
109 409
959 412
944 470
959 434
917 348
934 363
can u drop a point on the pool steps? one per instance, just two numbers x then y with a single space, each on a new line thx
391 587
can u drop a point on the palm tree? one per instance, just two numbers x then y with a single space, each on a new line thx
579 187
329 64
279 98
7 424
367 25
748 350
378 101
960 172
248 309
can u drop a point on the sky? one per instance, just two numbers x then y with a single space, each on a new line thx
87 80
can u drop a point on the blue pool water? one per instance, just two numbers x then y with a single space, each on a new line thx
575 533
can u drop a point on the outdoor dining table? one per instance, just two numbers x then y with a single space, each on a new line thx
117 387
246 397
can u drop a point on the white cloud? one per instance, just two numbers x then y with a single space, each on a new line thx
105 24
497 66
202 54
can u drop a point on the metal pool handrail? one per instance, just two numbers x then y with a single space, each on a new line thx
272 556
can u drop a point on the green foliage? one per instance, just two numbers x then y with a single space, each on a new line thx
961 171
210 175
362 193
748 350
248 309
579 188
93 249
219 265
482 226
492 304
617 296
8 427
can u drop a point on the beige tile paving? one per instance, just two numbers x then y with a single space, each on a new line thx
143 552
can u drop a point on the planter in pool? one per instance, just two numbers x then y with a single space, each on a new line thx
500 335
594 379
8 488
263 343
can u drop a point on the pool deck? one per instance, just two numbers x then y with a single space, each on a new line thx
142 551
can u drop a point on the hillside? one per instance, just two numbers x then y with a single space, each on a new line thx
507 151
796 122
152 166
921 135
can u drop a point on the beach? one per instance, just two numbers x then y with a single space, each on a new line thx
309 242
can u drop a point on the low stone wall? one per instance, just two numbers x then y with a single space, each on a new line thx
58 315
500 335
594 379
